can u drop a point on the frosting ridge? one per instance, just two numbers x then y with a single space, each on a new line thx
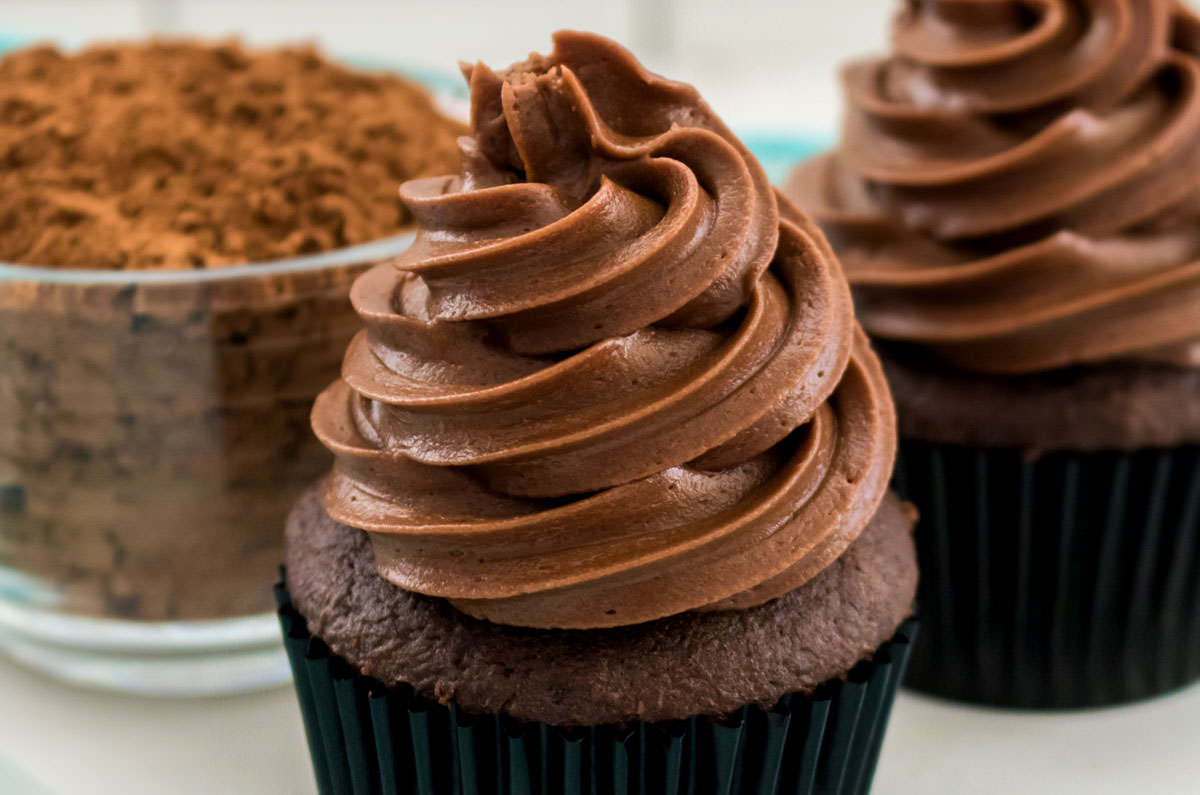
613 379
1018 185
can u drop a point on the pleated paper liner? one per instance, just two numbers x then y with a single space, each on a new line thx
367 738
1063 581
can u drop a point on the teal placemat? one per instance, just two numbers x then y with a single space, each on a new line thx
8 42
778 153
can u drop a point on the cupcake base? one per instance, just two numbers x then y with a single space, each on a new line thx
369 738
1065 580
708 663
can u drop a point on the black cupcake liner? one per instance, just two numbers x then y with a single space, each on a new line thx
1066 580
367 738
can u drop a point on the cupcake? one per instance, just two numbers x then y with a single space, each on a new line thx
1016 201
610 504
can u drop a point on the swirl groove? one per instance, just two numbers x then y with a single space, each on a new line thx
1018 185
612 380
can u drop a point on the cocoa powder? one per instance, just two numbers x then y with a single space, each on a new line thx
178 154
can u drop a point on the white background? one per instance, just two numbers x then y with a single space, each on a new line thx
761 63
766 66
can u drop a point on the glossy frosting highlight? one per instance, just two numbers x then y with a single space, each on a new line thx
1018 185
611 380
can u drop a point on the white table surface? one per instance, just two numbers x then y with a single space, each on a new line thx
59 740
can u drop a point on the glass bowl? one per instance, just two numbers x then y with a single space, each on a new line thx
154 433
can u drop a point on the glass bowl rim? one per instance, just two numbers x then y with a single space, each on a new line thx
382 248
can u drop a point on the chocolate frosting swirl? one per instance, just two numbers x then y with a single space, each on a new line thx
1018 187
608 383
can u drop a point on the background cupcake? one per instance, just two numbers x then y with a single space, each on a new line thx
621 459
1016 201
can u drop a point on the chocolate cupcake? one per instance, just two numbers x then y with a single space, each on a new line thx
609 508
1016 201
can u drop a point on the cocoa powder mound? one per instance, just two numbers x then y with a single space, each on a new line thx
177 154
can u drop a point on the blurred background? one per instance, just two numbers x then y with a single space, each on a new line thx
767 67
